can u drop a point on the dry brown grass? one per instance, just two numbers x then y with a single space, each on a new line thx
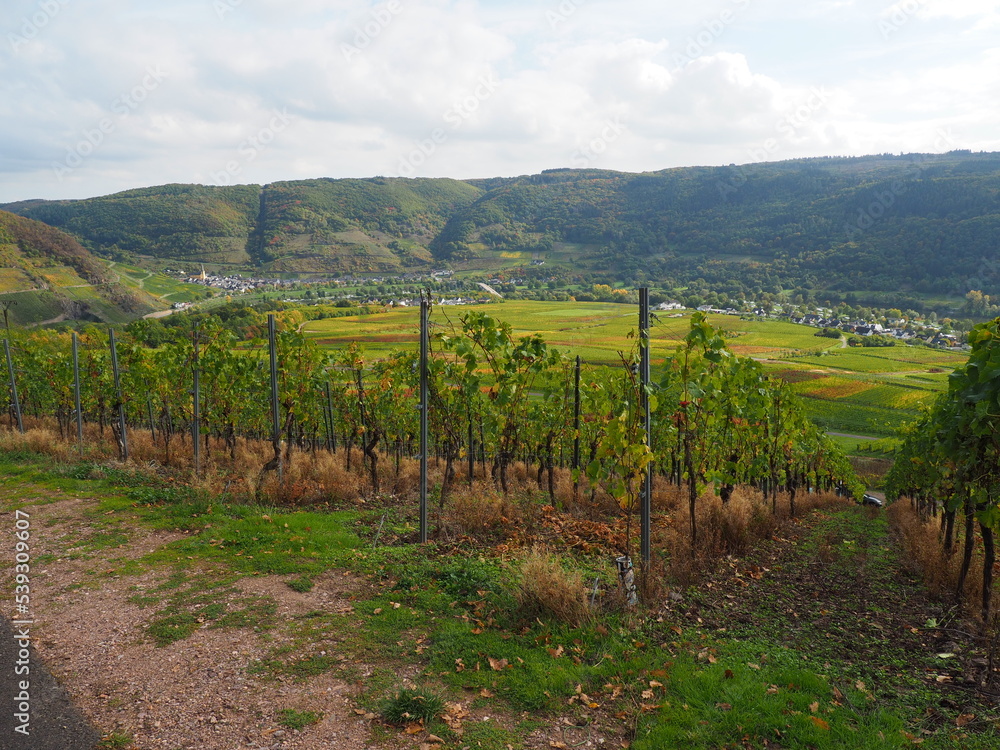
479 511
667 496
923 554
545 589
730 529
335 483
407 481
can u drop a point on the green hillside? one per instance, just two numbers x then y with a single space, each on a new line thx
309 226
176 222
912 224
908 227
45 275
380 224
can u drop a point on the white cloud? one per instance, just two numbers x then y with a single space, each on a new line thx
510 90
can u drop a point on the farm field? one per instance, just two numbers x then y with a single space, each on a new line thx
868 392
884 359
596 331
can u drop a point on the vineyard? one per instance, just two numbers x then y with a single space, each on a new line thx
324 423
868 392
947 467
289 465
593 330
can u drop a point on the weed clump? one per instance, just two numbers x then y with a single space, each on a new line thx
409 706
545 589
302 584
289 717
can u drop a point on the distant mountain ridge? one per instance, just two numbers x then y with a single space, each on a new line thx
927 224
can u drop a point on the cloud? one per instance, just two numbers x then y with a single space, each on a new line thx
495 88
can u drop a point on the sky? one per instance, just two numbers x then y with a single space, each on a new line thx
100 96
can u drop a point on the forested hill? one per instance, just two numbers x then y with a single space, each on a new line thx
918 223
46 274
307 226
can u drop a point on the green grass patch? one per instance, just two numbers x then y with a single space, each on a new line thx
32 307
298 720
882 360
779 702
302 584
300 668
115 741
408 706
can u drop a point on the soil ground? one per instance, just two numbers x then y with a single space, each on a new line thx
830 587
